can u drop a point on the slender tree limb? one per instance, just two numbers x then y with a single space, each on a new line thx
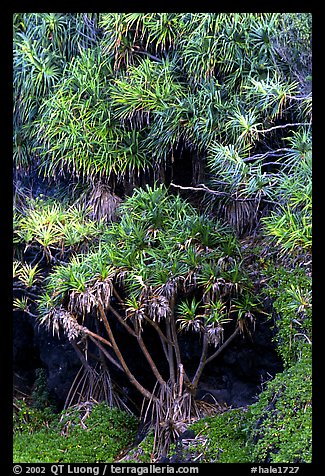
116 294
107 354
170 353
36 258
181 379
141 343
159 331
174 332
118 353
277 163
146 53
29 293
176 344
164 347
27 312
202 363
101 353
301 98
80 355
152 364
121 320
284 126
203 188
223 346
86 331
271 153
162 337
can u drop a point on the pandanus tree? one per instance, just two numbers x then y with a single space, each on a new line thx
111 101
161 270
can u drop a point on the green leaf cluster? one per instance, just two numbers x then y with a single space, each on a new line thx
43 43
291 294
290 224
159 244
116 94
53 226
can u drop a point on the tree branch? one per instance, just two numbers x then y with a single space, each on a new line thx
25 291
224 345
272 153
27 312
141 343
159 331
121 320
150 361
301 98
203 188
107 354
116 294
146 53
118 353
170 359
285 125
203 361
80 355
174 332
93 335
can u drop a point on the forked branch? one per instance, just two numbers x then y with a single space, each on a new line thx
119 355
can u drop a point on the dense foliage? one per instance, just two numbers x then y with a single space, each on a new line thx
277 429
168 143
281 425
96 435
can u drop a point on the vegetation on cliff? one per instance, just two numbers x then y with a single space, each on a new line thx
162 167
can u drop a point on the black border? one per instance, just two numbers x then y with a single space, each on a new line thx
7 193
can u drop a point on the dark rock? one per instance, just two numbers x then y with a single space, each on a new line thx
25 355
33 348
235 377
59 358
187 434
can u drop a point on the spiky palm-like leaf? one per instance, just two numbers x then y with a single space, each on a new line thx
292 231
77 131
271 95
226 162
245 307
27 274
43 43
53 227
149 86
243 127
188 319
262 33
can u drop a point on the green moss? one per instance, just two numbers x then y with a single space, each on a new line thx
143 452
280 426
226 437
276 429
30 418
108 431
